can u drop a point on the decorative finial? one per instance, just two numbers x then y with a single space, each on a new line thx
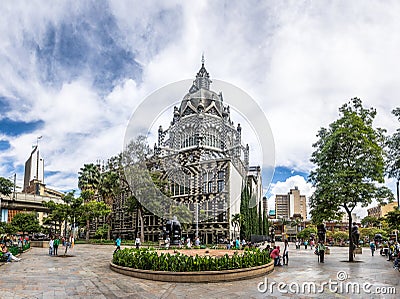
202 59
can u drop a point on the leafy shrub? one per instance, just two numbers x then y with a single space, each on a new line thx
148 259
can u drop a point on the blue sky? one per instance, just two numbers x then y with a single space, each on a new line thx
75 73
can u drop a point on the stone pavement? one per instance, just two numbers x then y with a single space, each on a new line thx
87 275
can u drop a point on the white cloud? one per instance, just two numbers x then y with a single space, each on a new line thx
300 61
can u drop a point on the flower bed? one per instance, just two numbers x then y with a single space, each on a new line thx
150 259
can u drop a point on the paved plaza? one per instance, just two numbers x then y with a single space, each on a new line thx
87 275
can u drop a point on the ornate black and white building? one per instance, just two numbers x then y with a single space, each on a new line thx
202 157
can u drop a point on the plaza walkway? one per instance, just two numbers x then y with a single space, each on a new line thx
87 275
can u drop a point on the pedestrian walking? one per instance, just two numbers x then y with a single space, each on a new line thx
237 243
118 244
372 246
321 252
285 255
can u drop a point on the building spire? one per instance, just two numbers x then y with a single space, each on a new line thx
202 78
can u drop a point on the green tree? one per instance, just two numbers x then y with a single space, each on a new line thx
26 223
393 156
307 232
265 224
236 221
260 222
370 232
340 236
245 226
89 178
109 188
393 219
56 216
349 164
6 186
134 161
102 231
370 221
91 210
7 228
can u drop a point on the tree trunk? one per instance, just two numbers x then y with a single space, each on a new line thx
351 255
140 215
108 221
87 229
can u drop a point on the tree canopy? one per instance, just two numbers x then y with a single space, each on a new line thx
26 223
349 161
6 186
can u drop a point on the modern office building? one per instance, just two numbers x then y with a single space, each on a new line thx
34 172
33 194
381 210
288 205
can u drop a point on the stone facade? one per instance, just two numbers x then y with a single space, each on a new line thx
202 158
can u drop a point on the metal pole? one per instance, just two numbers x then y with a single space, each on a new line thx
398 201
197 219
15 183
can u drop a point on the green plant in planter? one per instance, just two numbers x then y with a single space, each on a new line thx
148 259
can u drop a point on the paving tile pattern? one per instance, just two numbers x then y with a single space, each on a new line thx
87 275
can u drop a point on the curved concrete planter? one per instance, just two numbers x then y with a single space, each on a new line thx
200 276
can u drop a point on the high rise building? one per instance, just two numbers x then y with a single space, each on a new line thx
291 204
34 172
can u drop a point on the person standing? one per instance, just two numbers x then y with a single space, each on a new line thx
137 242
321 252
51 244
372 246
56 243
118 244
237 243
305 244
285 255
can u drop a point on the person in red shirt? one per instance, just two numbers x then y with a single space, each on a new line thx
275 254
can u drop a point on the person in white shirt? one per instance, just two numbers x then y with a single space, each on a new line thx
51 244
137 242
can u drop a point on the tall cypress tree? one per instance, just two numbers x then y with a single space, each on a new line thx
244 211
260 223
265 224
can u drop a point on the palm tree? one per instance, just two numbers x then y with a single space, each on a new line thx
236 222
89 178
88 182
109 188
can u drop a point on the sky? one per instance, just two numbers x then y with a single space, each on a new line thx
74 74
